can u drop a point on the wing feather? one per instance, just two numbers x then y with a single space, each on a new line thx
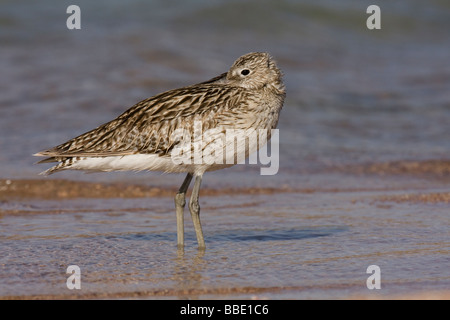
146 127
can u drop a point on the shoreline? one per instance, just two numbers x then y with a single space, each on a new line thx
430 170
62 189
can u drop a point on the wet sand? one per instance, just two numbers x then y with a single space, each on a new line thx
304 242
438 170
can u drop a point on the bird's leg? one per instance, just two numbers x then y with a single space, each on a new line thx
180 201
194 208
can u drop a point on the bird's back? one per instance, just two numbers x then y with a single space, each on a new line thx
148 127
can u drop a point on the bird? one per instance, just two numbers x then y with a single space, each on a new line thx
249 96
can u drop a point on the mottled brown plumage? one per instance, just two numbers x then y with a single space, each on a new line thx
249 95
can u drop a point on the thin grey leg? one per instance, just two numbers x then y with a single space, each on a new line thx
180 202
194 208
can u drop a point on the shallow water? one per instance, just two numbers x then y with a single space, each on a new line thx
364 151
279 246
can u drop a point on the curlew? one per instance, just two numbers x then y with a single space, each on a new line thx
145 137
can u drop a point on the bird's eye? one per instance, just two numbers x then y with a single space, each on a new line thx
245 72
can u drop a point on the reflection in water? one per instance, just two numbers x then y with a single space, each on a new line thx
187 272
190 266
276 234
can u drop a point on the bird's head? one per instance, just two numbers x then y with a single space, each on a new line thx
256 70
